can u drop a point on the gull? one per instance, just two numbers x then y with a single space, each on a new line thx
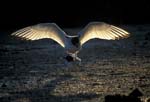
72 44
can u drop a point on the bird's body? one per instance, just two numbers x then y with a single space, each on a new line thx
72 44
73 47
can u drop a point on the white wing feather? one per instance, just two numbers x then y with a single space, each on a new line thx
41 31
101 30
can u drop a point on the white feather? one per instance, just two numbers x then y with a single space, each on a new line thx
41 31
101 30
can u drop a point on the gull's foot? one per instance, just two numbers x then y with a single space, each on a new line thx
78 59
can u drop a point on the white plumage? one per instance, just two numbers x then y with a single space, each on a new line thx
72 44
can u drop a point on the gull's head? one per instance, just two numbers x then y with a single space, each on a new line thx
75 41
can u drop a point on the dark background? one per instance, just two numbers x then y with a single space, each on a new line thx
18 14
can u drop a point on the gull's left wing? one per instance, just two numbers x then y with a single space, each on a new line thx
101 30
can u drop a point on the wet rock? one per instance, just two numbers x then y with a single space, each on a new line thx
136 93
147 36
145 43
132 97
148 100
121 98
3 85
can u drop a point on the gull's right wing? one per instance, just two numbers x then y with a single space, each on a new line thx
41 31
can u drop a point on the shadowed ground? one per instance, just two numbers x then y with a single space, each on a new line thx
35 71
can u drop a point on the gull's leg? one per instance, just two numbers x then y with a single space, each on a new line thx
77 58
73 55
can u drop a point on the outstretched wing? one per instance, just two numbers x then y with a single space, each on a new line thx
41 31
101 30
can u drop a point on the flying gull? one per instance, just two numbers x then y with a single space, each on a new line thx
72 44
